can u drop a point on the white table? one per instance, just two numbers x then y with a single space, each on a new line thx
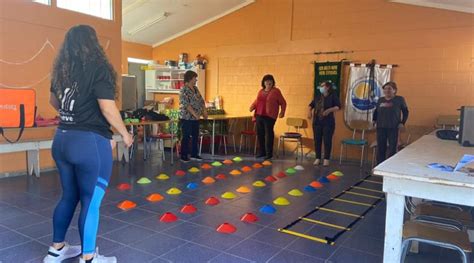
407 174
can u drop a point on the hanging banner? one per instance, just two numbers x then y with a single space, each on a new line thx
364 88
327 71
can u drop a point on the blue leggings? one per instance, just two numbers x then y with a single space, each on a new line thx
84 161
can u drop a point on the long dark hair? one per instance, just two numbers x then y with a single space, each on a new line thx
80 48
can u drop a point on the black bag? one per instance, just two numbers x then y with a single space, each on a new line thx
447 134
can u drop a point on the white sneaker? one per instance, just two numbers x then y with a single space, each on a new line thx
66 252
316 162
100 259
326 162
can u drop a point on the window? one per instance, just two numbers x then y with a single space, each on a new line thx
99 8
44 2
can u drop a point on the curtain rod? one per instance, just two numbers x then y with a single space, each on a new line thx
333 52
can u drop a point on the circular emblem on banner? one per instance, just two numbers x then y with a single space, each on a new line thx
361 97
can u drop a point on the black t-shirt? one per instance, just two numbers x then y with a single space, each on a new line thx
388 112
320 104
79 108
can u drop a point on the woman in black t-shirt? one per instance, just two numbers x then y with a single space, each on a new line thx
321 110
388 121
83 92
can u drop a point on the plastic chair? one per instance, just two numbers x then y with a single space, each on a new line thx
356 126
289 136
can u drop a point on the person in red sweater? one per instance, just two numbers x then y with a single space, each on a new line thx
268 104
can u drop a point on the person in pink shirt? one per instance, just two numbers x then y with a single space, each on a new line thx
268 106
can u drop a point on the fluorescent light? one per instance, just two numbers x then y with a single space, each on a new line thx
148 23
139 61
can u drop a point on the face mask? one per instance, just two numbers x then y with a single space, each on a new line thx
322 90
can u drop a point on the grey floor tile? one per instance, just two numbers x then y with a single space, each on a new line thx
254 250
191 253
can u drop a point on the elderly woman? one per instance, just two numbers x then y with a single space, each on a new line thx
390 115
268 103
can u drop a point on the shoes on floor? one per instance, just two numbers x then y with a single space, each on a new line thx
196 158
261 156
268 157
64 253
184 159
326 162
100 259
317 162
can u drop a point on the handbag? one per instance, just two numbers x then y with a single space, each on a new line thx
17 110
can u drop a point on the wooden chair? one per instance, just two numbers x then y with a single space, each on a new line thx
434 235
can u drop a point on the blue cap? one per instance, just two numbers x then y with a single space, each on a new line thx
323 180
309 188
268 209
192 186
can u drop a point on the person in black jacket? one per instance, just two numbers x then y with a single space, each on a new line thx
390 115
321 110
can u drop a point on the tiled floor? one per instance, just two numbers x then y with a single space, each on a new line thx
26 205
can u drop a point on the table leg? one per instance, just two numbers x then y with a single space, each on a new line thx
213 136
144 143
393 227
172 142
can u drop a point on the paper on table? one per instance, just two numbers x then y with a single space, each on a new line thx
465 160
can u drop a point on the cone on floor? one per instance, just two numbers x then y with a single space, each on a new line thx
173 191
316 184
332 177
338 173
295 192
228 195
290 171
235 172
154 197
124 187
257 165
309 189
226 228
188 209
221 176
237 159
249 218
212 201
192 186
268 209
299 168
259 184
193 170
323 180
227 161
270 179
168 217
216 164
206 166
246 169
208 180
243 189
163 177
281 201
267 163
281 174
143 180
126 205
180 173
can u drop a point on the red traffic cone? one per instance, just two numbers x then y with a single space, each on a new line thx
281 174
188 209
168 217
123 187
212 201
180 173
270 179
220 176
226 228
249 218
